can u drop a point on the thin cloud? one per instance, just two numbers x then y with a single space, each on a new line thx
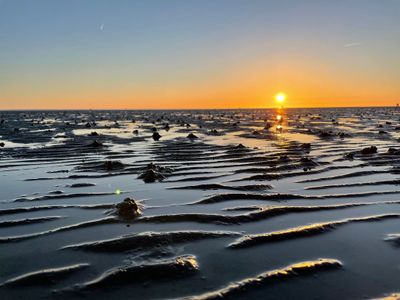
352 45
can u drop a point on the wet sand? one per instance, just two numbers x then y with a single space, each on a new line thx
229 207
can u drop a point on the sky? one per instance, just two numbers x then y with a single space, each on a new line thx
166 54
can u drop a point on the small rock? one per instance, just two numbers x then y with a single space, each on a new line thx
93 133
393 151
284 158
156 136
192 136
308 161
369 150
128 209
110 165
214 132
151 175
325 134
240 146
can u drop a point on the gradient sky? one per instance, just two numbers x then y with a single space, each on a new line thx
69 54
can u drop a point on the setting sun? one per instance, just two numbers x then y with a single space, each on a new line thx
280 97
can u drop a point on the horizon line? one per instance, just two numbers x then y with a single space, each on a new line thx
188 109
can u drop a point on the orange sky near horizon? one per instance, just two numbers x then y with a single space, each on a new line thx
198 54
306 85
174 100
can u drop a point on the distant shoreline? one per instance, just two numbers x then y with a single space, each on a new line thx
195 109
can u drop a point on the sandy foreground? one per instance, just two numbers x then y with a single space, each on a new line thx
221 204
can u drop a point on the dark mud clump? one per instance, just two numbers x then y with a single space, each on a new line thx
240 146
150 176
157 168
154 173
128 209
192 136
111 165
308 163
393 151
156 136
349 156
93 133
369 150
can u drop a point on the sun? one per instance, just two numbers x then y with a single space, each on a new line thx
280 97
